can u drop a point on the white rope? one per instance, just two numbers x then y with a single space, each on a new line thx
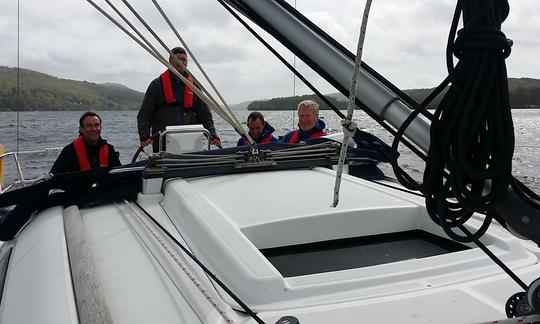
349 127
180 261
228 117
228 109
201 93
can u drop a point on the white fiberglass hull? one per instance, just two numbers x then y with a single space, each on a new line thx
136 274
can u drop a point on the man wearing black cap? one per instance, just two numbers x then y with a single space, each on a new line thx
169 102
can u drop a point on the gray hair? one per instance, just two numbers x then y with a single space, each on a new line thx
311 104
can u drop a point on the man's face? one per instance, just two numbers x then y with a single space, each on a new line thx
306 118
183 58
91 129
256 128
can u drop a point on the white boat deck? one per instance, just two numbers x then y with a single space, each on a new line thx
226 221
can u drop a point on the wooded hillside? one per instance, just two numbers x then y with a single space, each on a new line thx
39 91
524 93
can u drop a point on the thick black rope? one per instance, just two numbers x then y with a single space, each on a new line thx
469 163
472 135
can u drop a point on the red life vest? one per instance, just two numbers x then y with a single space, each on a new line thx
266 139
294 137
82 155
169 93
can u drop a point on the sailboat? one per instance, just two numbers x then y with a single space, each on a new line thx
248 235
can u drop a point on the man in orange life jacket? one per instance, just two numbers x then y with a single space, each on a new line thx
259 130
309 124
88 150
169 102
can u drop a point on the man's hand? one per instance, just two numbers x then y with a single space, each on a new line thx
217 142
146 142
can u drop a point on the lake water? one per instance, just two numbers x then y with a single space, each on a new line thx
46 129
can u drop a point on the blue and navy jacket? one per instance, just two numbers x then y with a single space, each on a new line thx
300 135
266 136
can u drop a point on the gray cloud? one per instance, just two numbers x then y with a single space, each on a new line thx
405 42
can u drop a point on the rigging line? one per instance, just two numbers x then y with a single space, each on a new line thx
495 259
160 58
263 24
203 267
294 84
132 27
349 127
164 15
229 119
137 221
484 248
281 58
18 75
340 48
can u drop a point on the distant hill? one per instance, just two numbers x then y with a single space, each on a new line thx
524 93
241 105
39 91
290 103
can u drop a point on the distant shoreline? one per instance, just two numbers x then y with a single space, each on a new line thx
96 110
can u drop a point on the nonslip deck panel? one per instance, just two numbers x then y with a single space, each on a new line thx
358 252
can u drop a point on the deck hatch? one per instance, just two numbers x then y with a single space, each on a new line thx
358 252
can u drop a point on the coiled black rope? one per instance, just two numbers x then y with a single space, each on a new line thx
469 163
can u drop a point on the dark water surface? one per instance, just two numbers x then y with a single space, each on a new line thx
47 129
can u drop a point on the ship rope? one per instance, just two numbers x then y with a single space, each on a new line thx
469 163
199 263
349 126
213 300
198 89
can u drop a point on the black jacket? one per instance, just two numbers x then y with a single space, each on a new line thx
67 161
154 114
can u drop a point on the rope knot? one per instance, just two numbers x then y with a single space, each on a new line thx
481 38
482 29
349 126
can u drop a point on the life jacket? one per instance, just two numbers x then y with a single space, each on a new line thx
82 155
169 93
294 136
266 139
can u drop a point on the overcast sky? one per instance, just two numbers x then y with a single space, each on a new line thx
405 42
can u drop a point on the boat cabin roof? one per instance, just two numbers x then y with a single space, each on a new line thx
253 229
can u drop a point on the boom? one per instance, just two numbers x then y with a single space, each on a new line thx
334 63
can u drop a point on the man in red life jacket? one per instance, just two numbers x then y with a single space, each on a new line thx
88 150
169 102
259 130
309 124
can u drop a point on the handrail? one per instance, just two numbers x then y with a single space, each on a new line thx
20 179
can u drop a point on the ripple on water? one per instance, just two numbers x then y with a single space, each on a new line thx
58 128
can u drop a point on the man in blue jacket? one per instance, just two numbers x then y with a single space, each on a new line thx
309 124
259 130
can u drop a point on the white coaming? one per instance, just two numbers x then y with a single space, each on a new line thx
38 275
136 290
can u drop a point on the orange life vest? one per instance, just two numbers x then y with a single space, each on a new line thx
169 93
294 137
266 139
82 155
